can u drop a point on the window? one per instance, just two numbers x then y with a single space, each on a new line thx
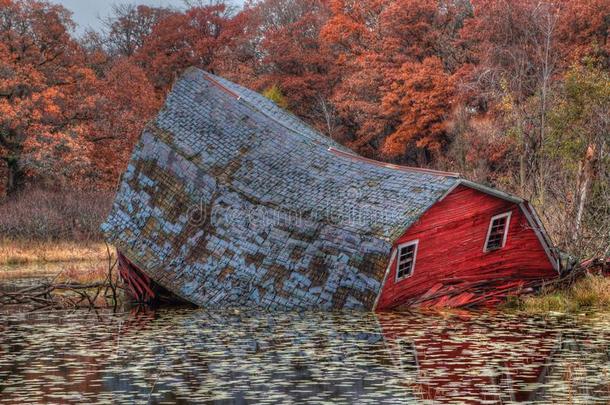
496 235
405 263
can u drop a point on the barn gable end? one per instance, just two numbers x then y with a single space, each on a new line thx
452 267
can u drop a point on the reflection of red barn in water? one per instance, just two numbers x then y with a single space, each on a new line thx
471 364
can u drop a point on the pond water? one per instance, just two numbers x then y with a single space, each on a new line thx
185 355
192 355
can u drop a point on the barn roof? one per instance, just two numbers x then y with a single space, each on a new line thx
230 199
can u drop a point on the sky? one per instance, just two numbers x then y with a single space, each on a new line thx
86 13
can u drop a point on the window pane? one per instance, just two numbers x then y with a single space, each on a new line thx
497 230
406 256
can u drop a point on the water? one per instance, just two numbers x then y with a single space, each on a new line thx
185 355
190 355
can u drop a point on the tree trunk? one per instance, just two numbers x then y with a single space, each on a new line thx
587 172
548 67
5 178
522 172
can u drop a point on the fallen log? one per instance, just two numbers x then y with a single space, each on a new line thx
67 294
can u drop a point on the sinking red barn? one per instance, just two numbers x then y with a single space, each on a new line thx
475 245
229 200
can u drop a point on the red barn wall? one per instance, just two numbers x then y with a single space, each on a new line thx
450 256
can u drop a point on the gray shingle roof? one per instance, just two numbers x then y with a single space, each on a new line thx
229 200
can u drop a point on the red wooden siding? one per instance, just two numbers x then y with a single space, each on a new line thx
451 267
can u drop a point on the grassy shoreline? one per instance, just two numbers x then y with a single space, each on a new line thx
587 294
590 293
14 252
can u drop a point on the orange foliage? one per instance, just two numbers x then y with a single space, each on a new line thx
385 77
61 123
584 29
394 90
295 60
181 40
43 92
419 101
127 100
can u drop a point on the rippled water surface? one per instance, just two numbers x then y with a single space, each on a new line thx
188 355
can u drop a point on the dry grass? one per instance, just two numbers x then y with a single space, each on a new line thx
591 292
23 252
89 275
43 226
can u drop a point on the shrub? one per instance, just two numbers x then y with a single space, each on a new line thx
38 214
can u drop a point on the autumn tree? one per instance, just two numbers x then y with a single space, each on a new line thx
418 103
479 148
45 94
351 35
126 101
128 25
579 150
180 40
239 56
584 31
294 59
376 45
515 54
96 57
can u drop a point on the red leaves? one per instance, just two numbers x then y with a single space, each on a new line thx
394 90
385 77
126 101
420 99
584 30
294 59
181 40
55 109
42 92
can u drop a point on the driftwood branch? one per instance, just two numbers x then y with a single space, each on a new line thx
66 295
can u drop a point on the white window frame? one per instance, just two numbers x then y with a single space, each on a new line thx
398 249
506 215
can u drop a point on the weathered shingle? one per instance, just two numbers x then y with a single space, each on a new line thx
229 200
